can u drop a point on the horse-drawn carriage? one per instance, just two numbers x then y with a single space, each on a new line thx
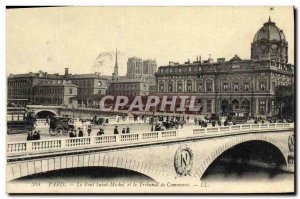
61 125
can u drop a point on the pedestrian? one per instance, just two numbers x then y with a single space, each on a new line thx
36 135
29 136
152 128
127 129
116 130
219 123
225 123
188 118
89 130
80 133
213 123
100 132
123 131
73 134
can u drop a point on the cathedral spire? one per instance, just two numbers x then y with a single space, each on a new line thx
116 69
269 19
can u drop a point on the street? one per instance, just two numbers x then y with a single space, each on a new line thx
108 130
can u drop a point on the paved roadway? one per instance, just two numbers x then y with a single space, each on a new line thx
108 130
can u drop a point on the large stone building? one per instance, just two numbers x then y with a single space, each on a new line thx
21 86
222 86
91 88
43 88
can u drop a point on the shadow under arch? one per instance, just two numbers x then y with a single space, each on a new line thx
245 158
105 174
45 113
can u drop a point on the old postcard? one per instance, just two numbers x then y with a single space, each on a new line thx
150 100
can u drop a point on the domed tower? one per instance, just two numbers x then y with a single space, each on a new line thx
269 44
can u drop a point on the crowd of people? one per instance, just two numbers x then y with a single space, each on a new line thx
204 123
82 133
157 123
124 130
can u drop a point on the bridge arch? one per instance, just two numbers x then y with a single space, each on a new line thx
38 166
199 172
92 173
45 113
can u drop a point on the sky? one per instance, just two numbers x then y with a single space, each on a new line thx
85 39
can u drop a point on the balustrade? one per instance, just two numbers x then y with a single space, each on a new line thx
87 142
150 135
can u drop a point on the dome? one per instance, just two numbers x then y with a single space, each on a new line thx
269 32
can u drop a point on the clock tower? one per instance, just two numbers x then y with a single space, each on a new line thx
269 44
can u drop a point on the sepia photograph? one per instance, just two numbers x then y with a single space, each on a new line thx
150 100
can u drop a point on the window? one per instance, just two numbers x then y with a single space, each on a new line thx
262 86
209 87
99 91
273 106
225 86
262 106
179 86
9 117
190 69
208 105
71 90
161 87
170 86
189 86
99 83
246 86
199 87
273 85
236 86
15 118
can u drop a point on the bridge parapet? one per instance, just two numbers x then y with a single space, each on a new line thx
27 148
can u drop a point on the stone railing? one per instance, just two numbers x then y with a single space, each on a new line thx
66 144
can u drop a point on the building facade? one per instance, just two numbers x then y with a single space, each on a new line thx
21 86
141 69
91 88
129 87
54 92
36 88
236 84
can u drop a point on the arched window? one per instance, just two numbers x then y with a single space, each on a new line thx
170 86
161 87
179 86
199 86
246 105
189 86
235 104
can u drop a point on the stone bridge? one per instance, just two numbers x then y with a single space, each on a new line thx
162 155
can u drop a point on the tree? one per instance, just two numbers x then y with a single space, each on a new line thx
284 97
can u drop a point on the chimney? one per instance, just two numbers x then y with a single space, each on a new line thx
210 59
66 71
